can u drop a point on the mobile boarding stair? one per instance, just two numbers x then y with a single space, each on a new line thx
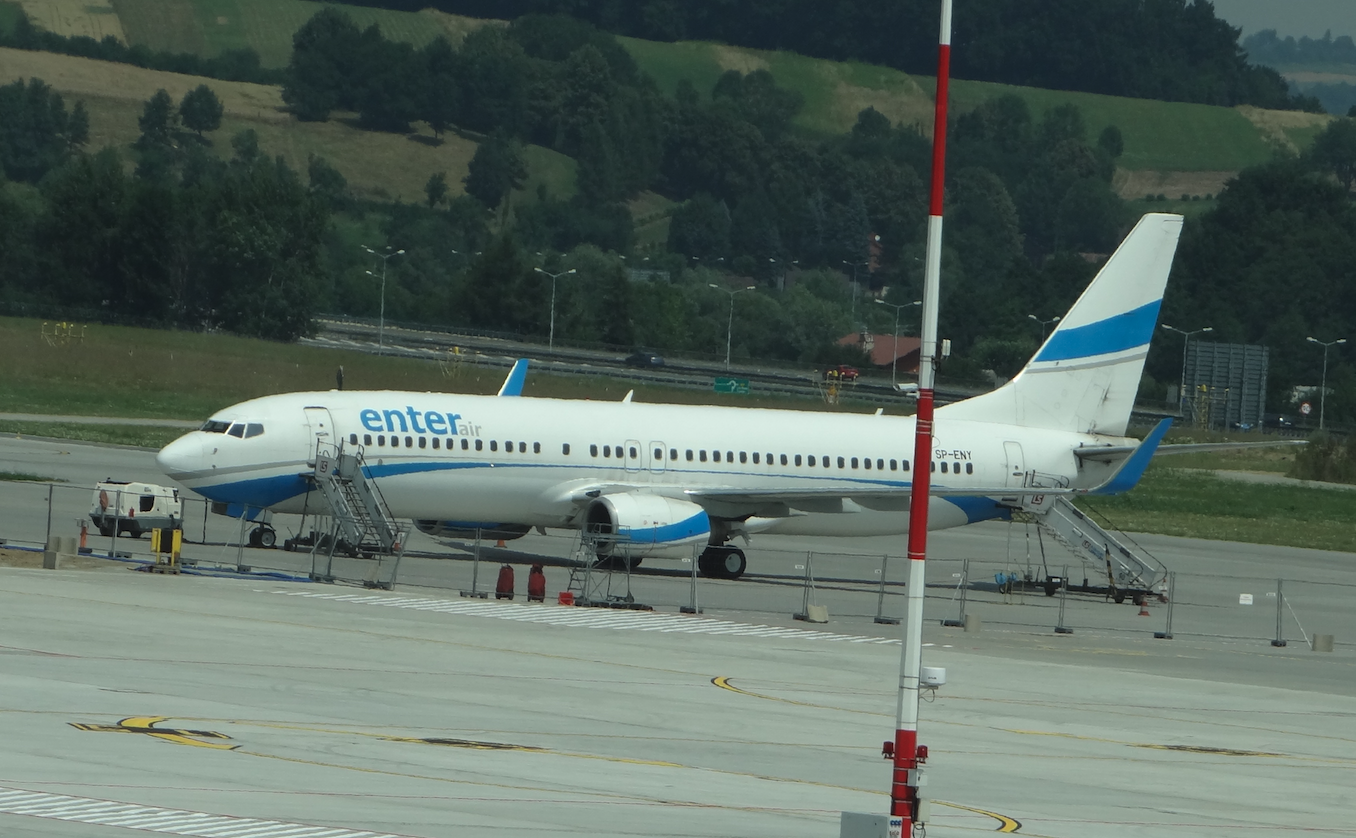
1123 571
361 523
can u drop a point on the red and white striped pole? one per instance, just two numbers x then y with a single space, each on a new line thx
904 784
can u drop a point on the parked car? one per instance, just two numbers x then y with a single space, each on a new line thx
135 508
842 372
642 358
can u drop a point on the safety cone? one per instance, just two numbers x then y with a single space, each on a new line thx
500 543
1144 607
84 534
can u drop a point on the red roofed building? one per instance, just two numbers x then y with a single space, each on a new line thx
883 349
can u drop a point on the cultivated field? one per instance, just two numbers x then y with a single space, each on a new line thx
375 164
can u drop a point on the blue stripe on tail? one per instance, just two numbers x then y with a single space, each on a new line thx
1114 334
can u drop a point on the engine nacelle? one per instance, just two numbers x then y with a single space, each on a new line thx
637 525
466 530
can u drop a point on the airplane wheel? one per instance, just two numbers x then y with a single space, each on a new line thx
106 530
733 563
267 538
722 562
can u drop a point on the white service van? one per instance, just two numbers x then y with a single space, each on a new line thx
135 508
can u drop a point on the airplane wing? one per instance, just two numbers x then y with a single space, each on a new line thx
513 385
1111 453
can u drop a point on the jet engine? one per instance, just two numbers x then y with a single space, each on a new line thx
636 525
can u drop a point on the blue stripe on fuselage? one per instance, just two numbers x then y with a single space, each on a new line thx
697 525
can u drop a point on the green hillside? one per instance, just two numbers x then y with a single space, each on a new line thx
1159 136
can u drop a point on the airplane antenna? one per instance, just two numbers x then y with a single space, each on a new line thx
908 756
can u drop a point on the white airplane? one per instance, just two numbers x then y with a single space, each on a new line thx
656 479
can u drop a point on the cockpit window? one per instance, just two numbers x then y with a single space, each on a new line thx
215 426
253 429
236 430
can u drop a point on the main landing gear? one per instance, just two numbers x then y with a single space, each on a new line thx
722 562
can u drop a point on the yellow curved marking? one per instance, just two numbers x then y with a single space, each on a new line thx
147 725
723 682
1006 824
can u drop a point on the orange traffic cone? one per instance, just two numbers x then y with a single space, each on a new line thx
1144 607
500 543
84 534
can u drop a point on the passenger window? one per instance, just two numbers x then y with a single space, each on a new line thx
943 466
854 462
810 460
783 459
423 443
689 455
565 448
866 462
701 455
659 454
466 443
826 460
632 451
253 429
744 457
894 466
480 445
932 467
755 458
381 440
969 468
367 439
522 447
842 463
903 465
955 468
352 439
237 430
536 448
607 451
395 442
593 450
494 444
769 459
715 456
729 456
880 464
673 453
436 443
797 459
409 442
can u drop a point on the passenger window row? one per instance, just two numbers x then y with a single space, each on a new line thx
631 452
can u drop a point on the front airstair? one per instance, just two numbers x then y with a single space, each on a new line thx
1102 554
362 524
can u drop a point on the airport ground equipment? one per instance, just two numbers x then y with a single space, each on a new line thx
605 582
360 518
1127 573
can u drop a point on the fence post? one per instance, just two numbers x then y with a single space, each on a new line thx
880 597
117 520
692 607
804 613
1280 607
475 570
1063 594
1166 633
48 540
240 566
964 587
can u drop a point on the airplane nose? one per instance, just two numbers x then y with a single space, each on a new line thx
180 457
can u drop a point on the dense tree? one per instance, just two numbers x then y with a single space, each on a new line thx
700 229
157 121
1334 150
435 190
496 170
201 110
36 133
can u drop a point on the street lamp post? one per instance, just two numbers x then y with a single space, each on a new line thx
1323 388
894 358
1044 323
855 265
729 329
1186 339
381 322
551 341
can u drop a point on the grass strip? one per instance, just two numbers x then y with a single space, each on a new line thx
138 436
25 477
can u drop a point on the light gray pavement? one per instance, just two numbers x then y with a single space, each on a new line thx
98 420
322 688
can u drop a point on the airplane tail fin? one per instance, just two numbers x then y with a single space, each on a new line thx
513 384
1085 376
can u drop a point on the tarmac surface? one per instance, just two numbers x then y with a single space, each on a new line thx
252 706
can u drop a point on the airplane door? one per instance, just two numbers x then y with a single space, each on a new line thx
321 427
1016 465
633 455
657 454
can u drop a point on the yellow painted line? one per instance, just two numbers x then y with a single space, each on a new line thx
147 726
1006 824
724 683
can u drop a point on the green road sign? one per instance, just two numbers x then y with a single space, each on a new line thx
738 386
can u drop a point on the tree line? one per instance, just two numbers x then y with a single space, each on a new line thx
1175 50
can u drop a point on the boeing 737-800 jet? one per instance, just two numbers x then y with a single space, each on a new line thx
658 478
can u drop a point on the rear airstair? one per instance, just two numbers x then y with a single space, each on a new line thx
1103 555
362 524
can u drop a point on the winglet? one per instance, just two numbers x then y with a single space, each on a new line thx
1128 475
513 385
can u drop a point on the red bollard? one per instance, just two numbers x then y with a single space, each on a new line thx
503 589
536 584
